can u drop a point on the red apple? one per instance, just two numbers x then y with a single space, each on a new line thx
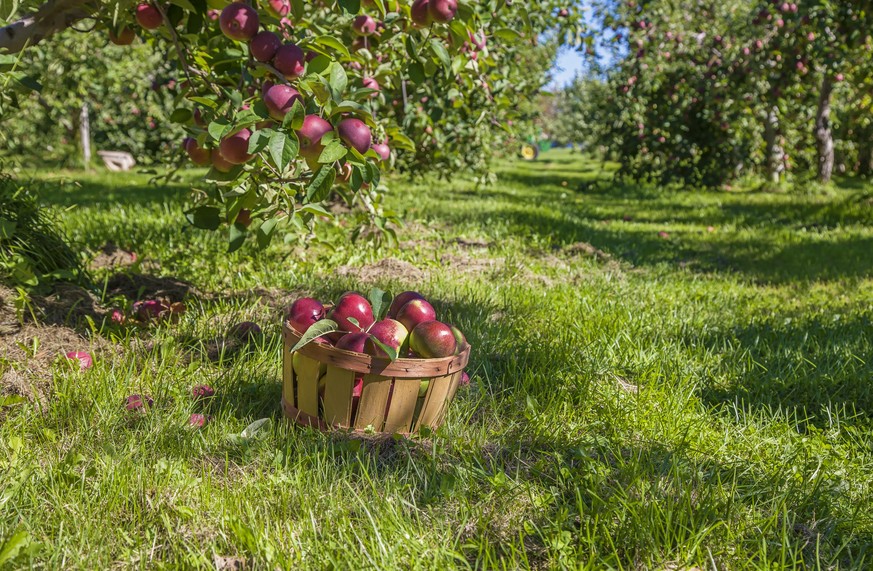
304 312
465 380
239 21
219 163
264 46
149 309
138 403
352 305
124 38
197 420
279 99
354 342
390 332
459 338
432 340
442 10
310 134
197 154
400 300
383 150
245 330
420 13
371 83
148 17
415 312
280 8
235 148
82 357
355 134
364 25
202 392
289 60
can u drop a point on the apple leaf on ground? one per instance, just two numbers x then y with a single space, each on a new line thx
254 427
315 331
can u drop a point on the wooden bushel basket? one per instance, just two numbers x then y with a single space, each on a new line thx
389 399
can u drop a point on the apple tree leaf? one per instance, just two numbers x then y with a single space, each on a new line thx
390 351
380 300
315 331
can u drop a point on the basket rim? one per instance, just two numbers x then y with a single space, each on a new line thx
368 365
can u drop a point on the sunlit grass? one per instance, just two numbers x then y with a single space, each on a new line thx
701 398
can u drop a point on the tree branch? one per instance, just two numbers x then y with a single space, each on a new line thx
50 18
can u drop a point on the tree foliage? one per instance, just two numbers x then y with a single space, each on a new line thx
432 84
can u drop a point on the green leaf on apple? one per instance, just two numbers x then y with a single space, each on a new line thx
390 351
380 300
316 330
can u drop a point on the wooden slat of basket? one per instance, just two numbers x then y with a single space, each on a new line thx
366 364
374 398
307 385
434 401
302 418
338 396
402 407
288 378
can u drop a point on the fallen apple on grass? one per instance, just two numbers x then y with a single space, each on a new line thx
246 331
197 420
138 403
82 357
202 392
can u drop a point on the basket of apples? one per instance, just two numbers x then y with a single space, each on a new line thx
378 365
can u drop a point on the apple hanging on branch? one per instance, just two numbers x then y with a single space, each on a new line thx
280 99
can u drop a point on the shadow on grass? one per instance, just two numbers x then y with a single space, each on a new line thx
816 371
92 193
771 243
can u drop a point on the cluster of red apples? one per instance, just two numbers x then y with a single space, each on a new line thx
410 328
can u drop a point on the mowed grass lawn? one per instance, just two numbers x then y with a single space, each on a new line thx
661 379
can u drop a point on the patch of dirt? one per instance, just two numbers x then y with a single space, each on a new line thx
472 242
626 385
142 286
465 263
111 256
586 249
28 350
225 563
383 270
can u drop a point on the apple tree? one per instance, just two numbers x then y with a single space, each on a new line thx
704 93
288 101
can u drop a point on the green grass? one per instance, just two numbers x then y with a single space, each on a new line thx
704 398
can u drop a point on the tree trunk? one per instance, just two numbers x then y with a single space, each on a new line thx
50 18
823 133
773 152
85 134
865 156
